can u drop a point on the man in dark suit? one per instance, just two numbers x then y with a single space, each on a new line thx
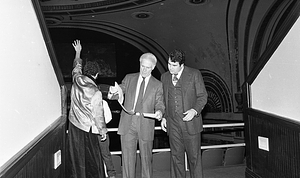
185 96
139 129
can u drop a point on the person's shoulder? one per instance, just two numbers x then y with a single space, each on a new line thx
157 83
132 75
79 79
191 69
155 79
166 73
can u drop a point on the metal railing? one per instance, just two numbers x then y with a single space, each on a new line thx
202 147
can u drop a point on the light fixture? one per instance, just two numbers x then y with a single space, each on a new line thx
142 15
196 2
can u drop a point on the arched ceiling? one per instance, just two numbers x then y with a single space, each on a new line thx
73 7
140 22
216 35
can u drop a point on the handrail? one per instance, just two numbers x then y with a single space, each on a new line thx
202 147
223 125
204 126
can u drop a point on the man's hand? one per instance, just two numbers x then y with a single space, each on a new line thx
164 124
114 89
120 93
158 115
77 45
103 133
103 137
190 114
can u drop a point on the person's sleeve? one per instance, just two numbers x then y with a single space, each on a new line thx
98 112
162 79
159 99
77 70
201 93
107 112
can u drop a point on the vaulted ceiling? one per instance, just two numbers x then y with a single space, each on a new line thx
75 7
149 25
208 30
224 38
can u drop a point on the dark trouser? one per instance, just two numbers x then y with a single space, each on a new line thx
182 142
83 155
106 156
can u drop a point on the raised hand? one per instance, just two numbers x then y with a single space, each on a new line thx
77 46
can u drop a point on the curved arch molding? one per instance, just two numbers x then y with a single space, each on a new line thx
74 7
140 41
219 97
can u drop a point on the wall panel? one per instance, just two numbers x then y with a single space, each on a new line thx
38 161
283 157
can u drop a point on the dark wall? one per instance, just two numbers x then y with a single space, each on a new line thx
38 160
127 56
283 157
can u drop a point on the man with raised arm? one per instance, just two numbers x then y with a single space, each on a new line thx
86 111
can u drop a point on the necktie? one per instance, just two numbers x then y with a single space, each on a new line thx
139 102
175 79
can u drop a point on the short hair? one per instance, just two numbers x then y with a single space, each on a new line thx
91 68
177 56
150 57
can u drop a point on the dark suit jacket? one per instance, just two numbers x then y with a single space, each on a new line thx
153 101
194 96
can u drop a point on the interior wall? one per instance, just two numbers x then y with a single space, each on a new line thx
30 93
276 88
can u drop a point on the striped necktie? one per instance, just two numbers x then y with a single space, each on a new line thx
175 79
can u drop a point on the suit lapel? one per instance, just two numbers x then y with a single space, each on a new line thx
149 86
132 89
167 81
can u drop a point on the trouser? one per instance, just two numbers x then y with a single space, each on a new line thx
83 156
182 142
106 156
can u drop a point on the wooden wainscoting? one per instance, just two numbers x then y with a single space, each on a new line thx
281 136
37 160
